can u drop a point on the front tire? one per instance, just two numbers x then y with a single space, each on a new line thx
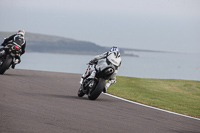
6 64
80 92
97 90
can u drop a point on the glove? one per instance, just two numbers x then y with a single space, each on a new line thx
92 62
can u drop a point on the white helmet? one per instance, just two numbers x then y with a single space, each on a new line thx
114 56
21 32
115 50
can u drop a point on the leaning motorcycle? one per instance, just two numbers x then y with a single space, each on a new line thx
9 58
94 87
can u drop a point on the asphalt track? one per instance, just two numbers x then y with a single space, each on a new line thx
47 102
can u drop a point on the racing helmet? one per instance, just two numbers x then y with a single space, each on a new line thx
21 32
115 50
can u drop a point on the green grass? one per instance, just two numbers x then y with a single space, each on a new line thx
181 96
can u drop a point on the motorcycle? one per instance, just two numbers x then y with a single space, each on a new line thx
94 87
9 58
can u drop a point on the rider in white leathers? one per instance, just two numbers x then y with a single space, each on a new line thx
108 58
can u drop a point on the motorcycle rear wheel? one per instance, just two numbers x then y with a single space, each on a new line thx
97 90
6 64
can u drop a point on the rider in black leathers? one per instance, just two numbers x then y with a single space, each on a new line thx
16 39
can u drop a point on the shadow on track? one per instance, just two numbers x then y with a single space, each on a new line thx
66 97
56 96
9 74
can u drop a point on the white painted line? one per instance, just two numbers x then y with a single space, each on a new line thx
151 107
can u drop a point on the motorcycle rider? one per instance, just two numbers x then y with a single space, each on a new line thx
111 57
18 40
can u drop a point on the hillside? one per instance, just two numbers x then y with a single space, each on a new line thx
55 44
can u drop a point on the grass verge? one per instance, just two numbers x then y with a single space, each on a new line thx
180 96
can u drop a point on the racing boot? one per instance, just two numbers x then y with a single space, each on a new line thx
109 82
16 62
13 66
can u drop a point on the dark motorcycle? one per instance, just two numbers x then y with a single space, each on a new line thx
12 51
94 87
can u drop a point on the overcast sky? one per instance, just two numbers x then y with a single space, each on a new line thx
167 25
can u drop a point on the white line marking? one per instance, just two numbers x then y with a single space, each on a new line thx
151 107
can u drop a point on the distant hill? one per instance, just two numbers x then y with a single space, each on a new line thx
55 44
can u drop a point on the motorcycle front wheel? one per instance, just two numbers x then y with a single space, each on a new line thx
80 92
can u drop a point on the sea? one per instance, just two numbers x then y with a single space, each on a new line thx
147 65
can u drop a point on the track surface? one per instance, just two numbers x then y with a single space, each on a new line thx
47 102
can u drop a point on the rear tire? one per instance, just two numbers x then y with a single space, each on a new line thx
6 64
98 89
